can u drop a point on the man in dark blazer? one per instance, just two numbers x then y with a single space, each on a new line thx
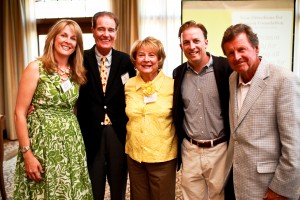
200 113
101 114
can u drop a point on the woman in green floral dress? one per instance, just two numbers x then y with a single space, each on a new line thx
51 163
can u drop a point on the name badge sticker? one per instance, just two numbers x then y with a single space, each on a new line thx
67 85
149 99
125 78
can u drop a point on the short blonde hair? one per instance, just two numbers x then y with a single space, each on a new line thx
152 43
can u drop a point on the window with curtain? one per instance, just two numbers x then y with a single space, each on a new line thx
79 10
158 18
162 19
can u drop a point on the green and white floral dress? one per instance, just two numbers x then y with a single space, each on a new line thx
57 143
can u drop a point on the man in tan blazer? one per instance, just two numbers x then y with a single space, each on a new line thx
264 114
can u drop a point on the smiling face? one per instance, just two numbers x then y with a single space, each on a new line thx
147 63
65 42
242 56
105 34
194 44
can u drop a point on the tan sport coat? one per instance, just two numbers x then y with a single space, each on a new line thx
266 134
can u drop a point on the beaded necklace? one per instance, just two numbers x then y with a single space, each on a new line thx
62 72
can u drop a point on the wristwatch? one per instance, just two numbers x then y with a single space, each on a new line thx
24 149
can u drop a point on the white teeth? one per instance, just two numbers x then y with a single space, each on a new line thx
66 48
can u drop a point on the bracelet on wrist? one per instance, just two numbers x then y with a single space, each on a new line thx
24 149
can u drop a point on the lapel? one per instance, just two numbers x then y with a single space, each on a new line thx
257 86
178 102
233 81
181 73
94 68
218 72
113 70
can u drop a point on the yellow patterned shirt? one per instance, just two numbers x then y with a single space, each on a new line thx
150 129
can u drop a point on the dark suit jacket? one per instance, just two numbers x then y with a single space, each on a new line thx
92 102
222 71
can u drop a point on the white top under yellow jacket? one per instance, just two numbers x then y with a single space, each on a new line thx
150 129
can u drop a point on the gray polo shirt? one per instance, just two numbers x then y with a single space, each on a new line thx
203 120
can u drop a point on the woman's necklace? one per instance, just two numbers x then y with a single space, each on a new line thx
64 79
63 73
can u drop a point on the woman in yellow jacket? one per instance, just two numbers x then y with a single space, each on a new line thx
151 143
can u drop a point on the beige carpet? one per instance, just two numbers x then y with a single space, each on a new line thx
10 151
